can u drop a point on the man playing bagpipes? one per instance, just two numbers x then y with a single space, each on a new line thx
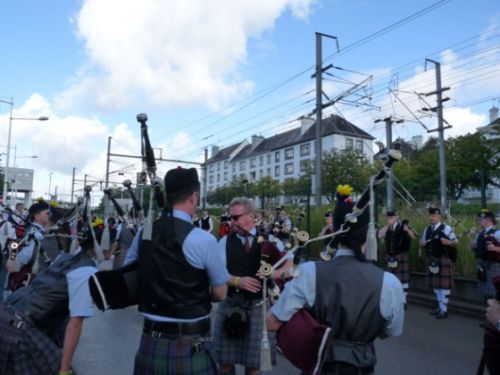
23 264
57 300
331 312
397 236
239 320
486 245
180 273
441 245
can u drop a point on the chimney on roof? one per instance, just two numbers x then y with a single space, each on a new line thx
493 114
215 150
256 140
305 124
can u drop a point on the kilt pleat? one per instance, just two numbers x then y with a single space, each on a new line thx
444 279
402 272
486 288
27 351
165 356
245 350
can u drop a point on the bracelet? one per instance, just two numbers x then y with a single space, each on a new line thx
237 283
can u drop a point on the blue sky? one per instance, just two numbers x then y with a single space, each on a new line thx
92 65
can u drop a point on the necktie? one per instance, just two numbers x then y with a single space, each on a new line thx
247 245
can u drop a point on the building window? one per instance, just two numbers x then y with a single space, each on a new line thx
268 172
305 149
242 165
225 176
218 166
252 176
305 166
359 145
349 144
226 164
277 157
218 177
289 153
289 168
261 173
261 161
211 179
253 163
211 168
234 167
277 171
268 159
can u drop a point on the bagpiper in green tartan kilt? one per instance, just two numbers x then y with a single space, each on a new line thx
245 350
25 350
175 356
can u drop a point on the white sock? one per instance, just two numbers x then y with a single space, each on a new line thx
405 290
445 298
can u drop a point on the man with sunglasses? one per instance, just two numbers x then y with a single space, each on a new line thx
239 320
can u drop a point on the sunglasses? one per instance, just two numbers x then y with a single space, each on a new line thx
236 217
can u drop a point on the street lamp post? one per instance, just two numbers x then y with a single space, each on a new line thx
50 182
6 174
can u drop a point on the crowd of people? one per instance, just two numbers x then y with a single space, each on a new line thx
48 257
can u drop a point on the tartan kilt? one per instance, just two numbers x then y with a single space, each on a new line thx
26 351
402 272
245 350
444 279
486 287
168 356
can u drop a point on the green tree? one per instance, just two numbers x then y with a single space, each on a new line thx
345 167
266 188
296 188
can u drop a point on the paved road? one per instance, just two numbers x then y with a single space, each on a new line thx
428 346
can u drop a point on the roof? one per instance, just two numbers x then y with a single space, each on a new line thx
331 125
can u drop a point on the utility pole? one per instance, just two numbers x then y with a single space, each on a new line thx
319 114
205 178
84 180
440 129
73 185
388 141
107 163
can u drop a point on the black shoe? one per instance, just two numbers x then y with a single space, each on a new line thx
435 312
441 314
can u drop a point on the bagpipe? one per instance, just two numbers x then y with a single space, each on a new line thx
364 200
491 340
117 289
26 273
139 212
302 339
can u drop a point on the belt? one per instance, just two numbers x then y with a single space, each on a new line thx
164 329
342 368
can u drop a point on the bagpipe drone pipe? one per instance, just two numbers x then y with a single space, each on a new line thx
303 339
119 288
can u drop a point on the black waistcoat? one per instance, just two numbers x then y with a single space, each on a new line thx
434 246
348 300
397 240
169 285
481 251
45 300
205 223
241 264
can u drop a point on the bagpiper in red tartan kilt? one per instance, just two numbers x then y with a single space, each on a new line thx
444 278
402 271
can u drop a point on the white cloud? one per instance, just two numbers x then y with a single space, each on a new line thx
64 142
168 53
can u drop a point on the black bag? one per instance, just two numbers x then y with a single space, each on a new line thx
236 323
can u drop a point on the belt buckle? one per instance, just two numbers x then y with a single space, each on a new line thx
197 347
156 334
19 324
